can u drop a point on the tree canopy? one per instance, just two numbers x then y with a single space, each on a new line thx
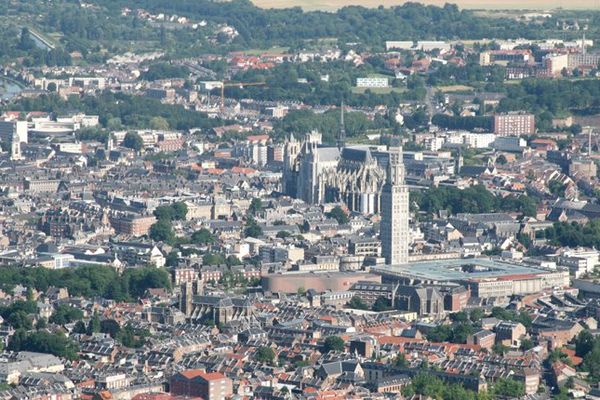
162 231
475 199
265 354
164 70
334 343
133 141
339 215
202 236
82 281
44 342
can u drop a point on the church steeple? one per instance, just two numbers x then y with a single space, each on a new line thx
341 140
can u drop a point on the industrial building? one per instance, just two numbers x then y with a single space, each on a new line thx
484 277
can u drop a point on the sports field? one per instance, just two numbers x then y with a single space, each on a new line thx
330 5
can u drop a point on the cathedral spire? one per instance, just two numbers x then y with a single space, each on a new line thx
341 141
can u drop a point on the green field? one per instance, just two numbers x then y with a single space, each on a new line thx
330 5
454 88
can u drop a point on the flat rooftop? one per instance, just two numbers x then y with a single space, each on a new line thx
460 270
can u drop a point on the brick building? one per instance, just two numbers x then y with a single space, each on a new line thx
514 124
134 225
198 383
484 338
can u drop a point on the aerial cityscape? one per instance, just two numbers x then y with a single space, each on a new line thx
323 200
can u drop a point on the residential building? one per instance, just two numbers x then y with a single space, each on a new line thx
514 124
372 82
198 383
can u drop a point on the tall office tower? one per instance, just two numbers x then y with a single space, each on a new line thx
341 139
394 211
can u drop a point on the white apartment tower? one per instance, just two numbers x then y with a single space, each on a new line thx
15 148
394 232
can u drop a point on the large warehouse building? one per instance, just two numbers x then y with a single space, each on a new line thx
484 277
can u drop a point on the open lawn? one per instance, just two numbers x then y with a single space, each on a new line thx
454 88
330 5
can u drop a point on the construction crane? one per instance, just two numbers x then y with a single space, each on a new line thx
241 85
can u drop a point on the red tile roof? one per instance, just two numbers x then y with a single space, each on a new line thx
192 373
213 376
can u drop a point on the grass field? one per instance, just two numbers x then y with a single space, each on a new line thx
331 5
454 88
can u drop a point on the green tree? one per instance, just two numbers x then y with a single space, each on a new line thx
265 355
252 229
255 206
283 234
557 188
44 342
65 314
460 332
460 316
133 141
111 327
19 320
130 337
162 231
94 324
232 260
166 213
180 210
213 259
382 304
79 327
141 279
172 258
25 40
508 388
17 339
584 343
526 344
439 334
357 303
339 215
476 314
41 324
202 236
424 384
334 343
591 362
400 361
114 124
499 349
524 239
29 294
159 124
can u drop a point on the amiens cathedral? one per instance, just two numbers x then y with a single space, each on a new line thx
354 175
